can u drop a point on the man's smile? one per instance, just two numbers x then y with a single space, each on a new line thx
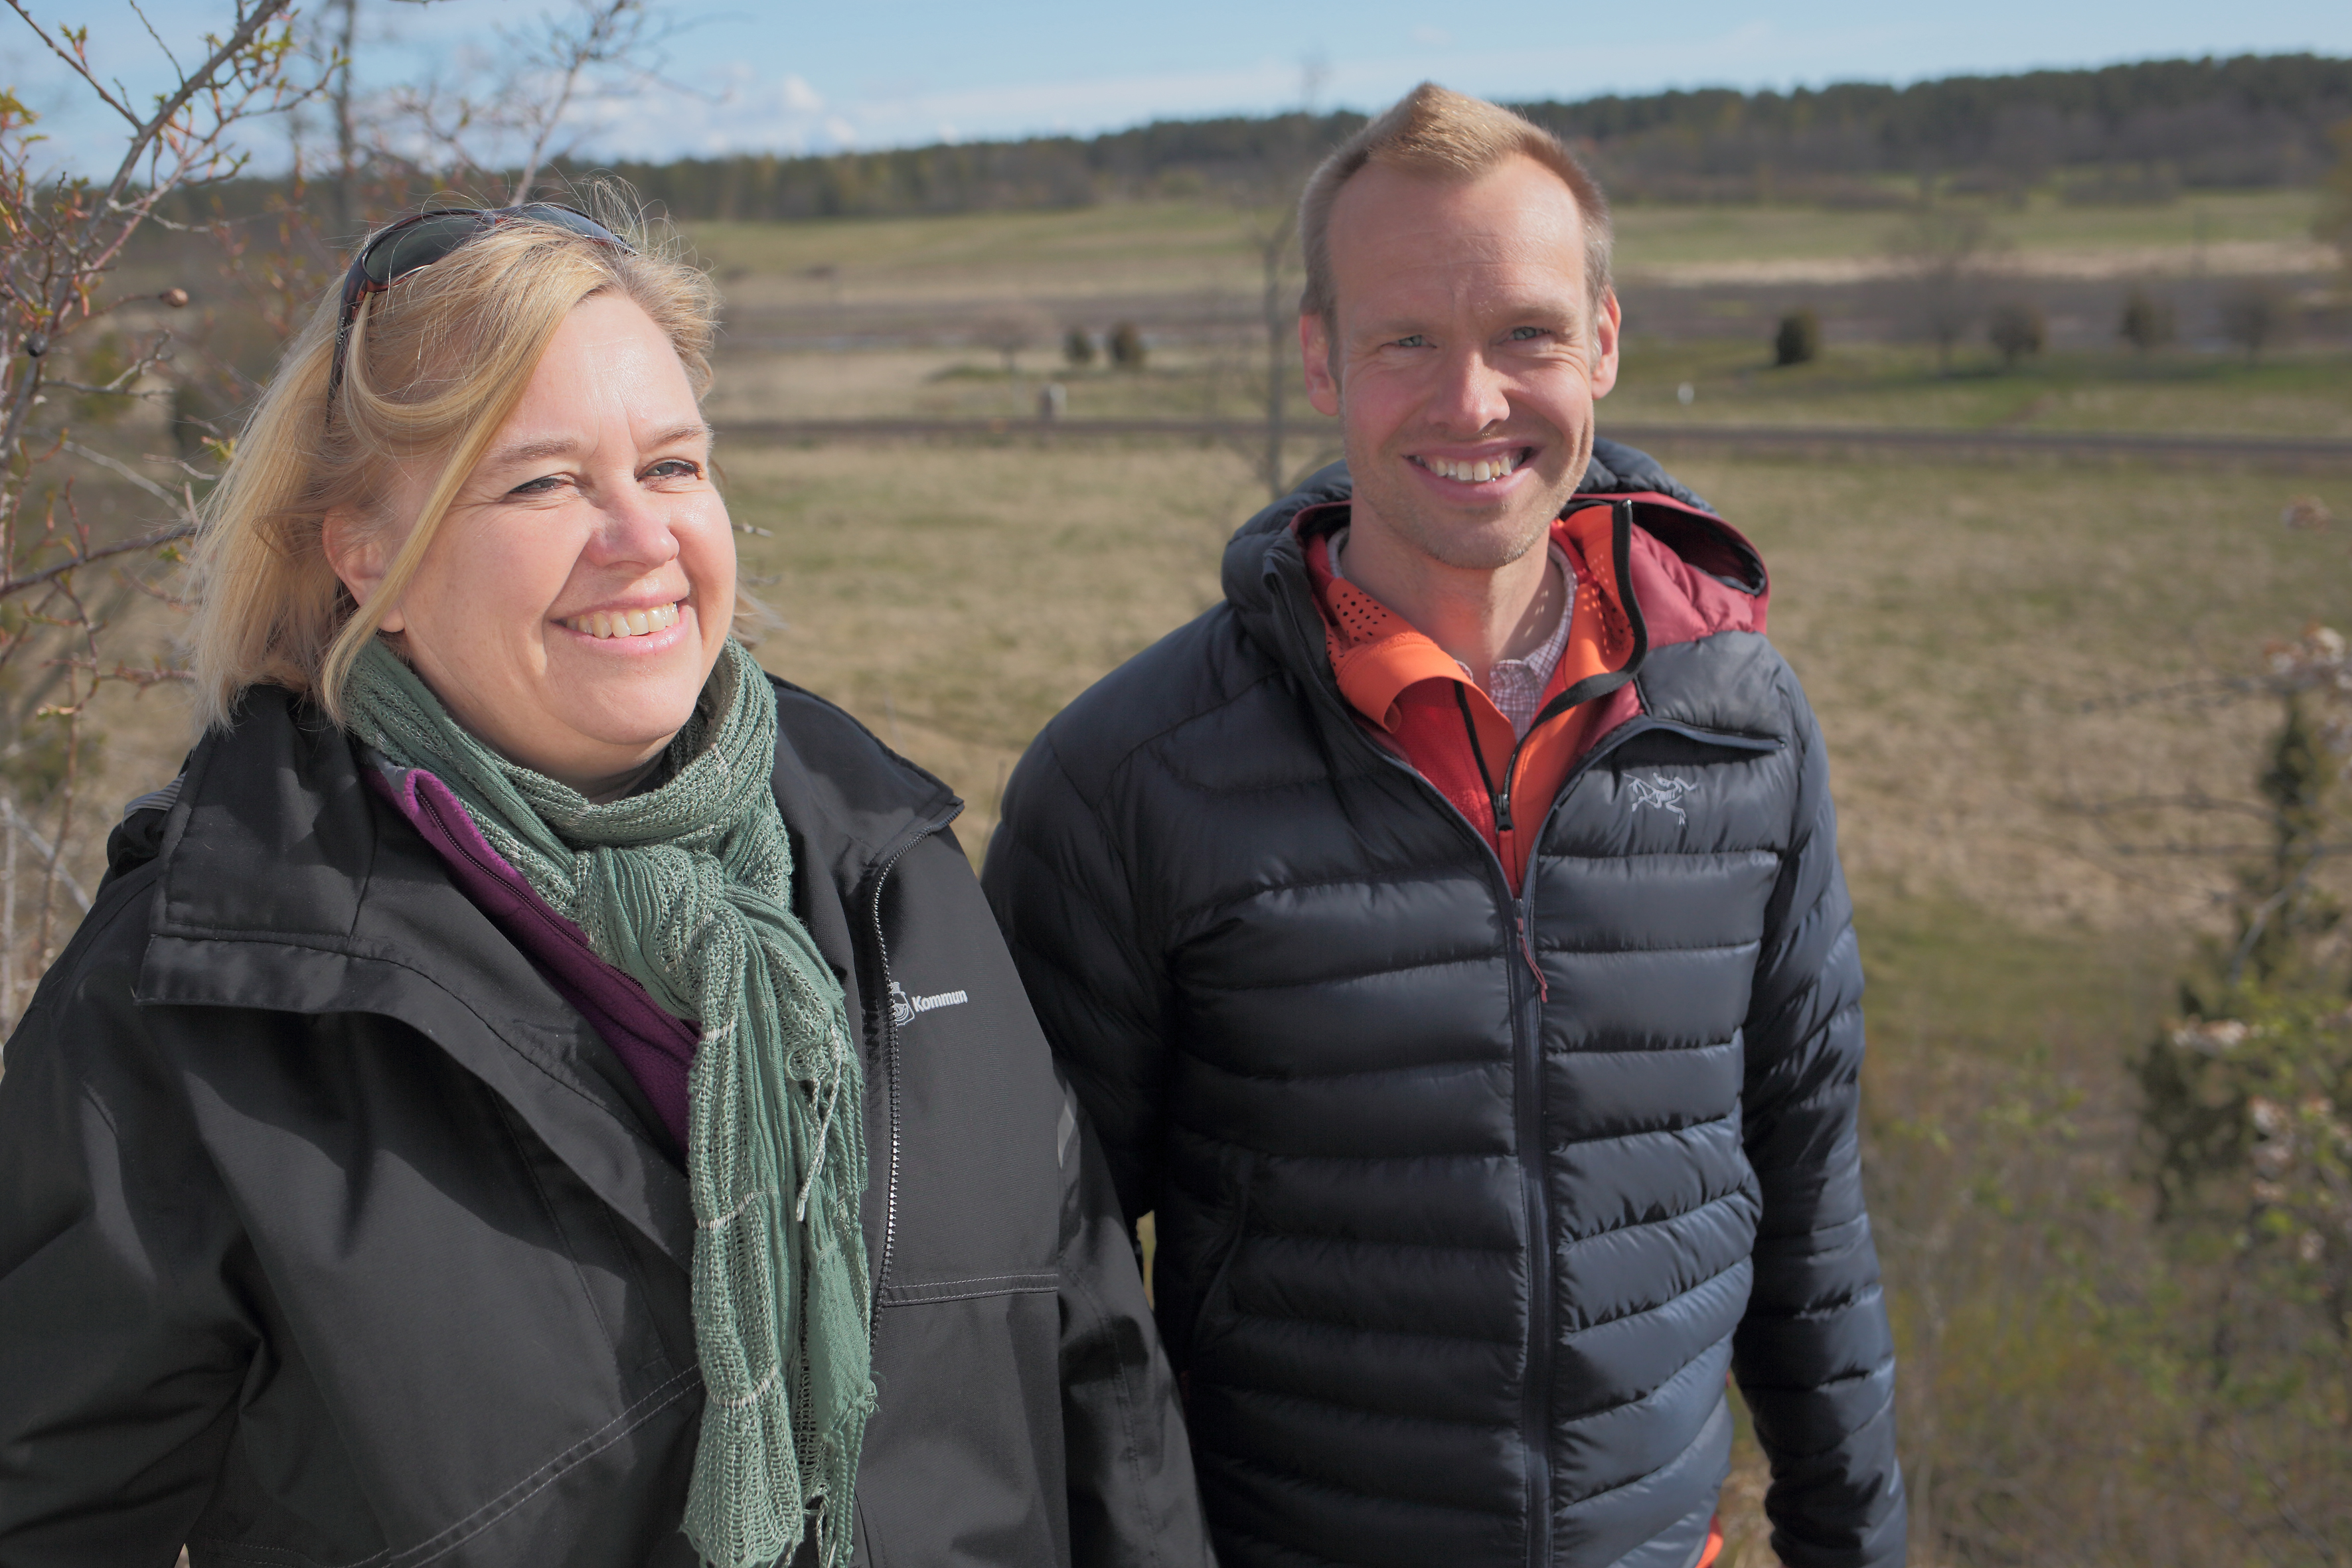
1480 468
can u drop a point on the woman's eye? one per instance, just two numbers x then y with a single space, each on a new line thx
543 485
674 469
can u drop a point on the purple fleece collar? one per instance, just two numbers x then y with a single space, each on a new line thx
656 1048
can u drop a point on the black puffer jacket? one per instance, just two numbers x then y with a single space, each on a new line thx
331 1234
1455 1255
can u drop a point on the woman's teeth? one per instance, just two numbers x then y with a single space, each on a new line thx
1471 473
625 623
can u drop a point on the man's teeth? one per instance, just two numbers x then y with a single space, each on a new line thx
1476 473
625 623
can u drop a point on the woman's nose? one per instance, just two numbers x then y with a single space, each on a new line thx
635 528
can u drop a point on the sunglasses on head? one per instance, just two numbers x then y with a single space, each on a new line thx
421 240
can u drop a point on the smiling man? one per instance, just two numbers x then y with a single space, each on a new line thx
1446 935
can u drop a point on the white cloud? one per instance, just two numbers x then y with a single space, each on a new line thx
800 98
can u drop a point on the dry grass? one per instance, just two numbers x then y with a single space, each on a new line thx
954 597
1970 638
1951 625
1176 248
1182 382
2307 394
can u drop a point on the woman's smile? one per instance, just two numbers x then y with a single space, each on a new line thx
625 625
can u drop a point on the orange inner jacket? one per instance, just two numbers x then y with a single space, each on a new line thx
1413 691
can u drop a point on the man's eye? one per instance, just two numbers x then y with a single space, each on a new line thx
1415 342
1528 334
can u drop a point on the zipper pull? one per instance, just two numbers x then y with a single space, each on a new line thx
1527 951
1502 798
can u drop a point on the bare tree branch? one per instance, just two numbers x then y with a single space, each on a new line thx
155 540
125 469
12 821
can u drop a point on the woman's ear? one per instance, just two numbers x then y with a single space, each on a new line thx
358 554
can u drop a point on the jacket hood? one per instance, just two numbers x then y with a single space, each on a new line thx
1688 572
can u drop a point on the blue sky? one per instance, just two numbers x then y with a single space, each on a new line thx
802 78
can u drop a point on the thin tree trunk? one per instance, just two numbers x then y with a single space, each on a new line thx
1272 250
346 155
7 912
50 874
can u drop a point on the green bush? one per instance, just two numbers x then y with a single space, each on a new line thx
2016 329
1127 346
2147 322
1798 339
2255 316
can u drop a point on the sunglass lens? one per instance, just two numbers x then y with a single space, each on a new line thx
420 244
578 223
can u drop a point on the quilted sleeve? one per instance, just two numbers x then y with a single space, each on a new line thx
1062 891
1814 1356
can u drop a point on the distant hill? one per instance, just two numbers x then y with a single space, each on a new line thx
2140 132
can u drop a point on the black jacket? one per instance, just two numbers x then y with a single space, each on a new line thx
331 1234
1455 1255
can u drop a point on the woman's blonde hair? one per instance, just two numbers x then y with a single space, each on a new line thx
435 365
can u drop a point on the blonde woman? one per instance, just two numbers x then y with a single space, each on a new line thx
536 1090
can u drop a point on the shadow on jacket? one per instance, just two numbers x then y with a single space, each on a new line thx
1468 1201
331 1235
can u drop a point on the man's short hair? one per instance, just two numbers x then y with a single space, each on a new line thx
1442 134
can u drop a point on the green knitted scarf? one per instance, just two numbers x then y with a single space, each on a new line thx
688 888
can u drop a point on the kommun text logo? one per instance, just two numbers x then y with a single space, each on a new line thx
903 1008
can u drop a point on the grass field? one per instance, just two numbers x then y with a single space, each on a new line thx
1665 237
1176 249
1732 382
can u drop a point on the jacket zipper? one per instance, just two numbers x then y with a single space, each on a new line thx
890 1028
1535 1407
1536 1397
1498 796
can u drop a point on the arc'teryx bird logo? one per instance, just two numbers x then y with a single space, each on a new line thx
1666 795
903 1008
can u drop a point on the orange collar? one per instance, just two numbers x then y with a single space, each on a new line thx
1376 655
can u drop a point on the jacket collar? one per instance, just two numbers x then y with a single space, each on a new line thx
1684 571
286 885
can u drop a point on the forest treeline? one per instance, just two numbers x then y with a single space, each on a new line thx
2125 133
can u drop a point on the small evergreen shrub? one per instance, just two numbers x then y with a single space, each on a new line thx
2016 329
1798 339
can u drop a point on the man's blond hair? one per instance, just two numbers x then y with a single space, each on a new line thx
1440 134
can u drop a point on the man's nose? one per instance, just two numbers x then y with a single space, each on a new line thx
1470 395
